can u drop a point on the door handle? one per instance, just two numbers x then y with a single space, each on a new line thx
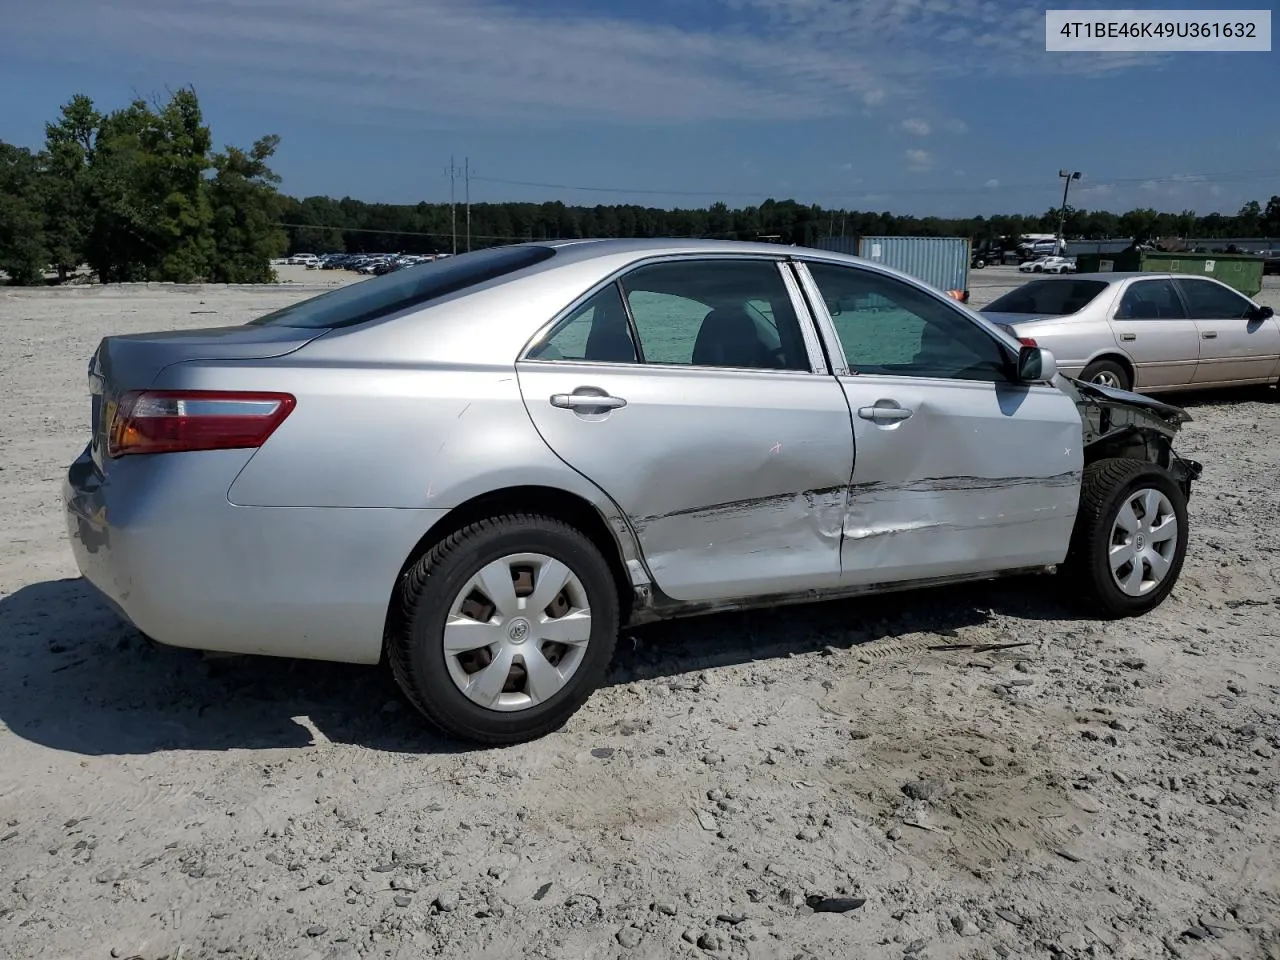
578 401
1128 336
1209 335
883 413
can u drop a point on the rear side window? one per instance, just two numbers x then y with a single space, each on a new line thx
1150 300
413 286
1048 298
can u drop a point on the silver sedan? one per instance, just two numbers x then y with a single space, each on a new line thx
479 468
1146 331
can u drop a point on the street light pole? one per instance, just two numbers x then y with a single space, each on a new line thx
1067 177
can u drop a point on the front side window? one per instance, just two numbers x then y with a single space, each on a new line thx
1150 300
1208 301
890 328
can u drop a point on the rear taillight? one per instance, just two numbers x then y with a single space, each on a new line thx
172 421
1028 342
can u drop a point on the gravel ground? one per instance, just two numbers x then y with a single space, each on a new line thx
951 774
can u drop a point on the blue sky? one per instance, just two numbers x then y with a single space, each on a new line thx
950 107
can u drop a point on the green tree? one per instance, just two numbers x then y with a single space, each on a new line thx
24 255
123 244
175 155
246 211
69 146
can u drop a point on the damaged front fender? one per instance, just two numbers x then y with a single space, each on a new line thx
1120 423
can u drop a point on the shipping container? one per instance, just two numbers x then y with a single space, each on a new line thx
1244 273
941 262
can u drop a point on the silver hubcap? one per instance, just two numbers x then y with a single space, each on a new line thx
1106 378
517 632
1143 540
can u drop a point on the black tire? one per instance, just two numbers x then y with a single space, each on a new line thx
1108 366
415 642
1106 486
979 264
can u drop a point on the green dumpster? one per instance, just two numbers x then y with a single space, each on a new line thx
1237 270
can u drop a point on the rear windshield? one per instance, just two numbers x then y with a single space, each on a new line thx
408 287
1051 298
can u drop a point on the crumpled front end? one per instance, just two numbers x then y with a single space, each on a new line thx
1120 423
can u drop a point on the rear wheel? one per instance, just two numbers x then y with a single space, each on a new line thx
1130 537
506 628
1107 373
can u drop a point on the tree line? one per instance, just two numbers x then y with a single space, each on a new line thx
323 224
140 194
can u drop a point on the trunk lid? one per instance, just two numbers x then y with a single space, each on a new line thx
133 361
1018 319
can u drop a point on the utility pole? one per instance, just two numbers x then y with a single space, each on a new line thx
466 179
452 174
1067 177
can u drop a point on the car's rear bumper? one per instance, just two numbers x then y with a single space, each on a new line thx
167 550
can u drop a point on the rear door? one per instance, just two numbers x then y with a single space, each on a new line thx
956 470
1152 326
1233 346
692 390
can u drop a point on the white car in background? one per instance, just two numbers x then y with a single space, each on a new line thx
1049 265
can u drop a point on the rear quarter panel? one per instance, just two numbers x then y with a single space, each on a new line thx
1074 342
398 436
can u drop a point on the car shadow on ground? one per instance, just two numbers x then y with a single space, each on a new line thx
74 677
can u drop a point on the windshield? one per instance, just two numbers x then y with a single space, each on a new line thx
1051 298
408 287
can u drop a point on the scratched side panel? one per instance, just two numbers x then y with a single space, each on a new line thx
734 480
981 477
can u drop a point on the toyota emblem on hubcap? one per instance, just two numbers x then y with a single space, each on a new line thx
518 630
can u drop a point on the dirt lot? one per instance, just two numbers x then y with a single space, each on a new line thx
1075 789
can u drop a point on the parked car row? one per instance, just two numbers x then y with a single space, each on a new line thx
372 264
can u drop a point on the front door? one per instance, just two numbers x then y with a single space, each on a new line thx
690 393
1233 346
1151 325
956 470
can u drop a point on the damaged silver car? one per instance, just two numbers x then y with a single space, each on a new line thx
481 468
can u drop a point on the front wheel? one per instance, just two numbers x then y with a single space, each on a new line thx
1130 537
505 629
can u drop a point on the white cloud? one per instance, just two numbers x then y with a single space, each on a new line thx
956 126
1095 190
495 60
919 159
992 183
1216 190
916 126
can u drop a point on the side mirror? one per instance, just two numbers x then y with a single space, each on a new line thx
1261 313
1036 365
